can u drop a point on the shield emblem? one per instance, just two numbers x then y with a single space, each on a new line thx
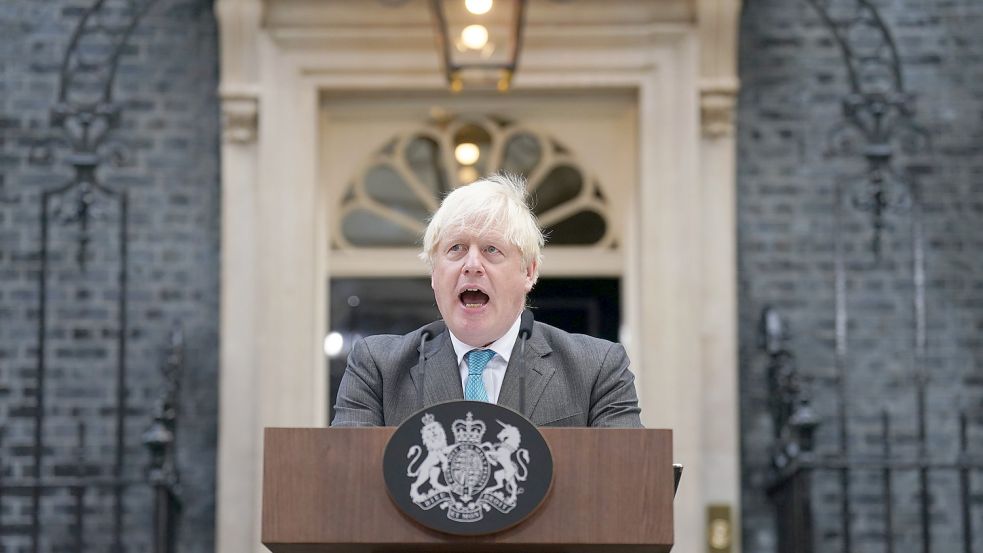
468 467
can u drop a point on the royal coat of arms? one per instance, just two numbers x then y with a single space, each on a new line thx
470 476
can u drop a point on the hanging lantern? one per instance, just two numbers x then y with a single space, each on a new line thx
479 41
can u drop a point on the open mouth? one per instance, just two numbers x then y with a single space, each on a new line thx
473 298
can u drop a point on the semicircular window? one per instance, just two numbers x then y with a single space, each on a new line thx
389 201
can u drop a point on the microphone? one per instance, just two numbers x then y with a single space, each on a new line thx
525 324
428 332
525 330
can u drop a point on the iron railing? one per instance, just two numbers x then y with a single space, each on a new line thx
878 123
81 482
75 490
797 463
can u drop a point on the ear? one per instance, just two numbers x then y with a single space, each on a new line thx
532 272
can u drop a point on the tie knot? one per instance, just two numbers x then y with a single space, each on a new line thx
477 359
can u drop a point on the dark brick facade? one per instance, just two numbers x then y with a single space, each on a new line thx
793 79
164 155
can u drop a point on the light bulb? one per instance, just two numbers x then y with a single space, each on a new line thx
474 37
478 7
466 153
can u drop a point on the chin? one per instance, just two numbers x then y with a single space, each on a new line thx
473 336
472 332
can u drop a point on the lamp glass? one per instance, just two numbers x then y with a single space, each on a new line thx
474 37
467 153
478 7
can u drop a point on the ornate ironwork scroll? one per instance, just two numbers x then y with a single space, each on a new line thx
878 111
82 125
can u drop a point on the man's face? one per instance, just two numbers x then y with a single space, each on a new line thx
479 284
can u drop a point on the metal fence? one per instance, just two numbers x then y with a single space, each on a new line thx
889 491
82 515
798 465
73 482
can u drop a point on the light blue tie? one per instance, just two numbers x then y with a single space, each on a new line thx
474 388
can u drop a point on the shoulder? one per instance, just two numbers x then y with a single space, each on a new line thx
398 344
559 339
554 334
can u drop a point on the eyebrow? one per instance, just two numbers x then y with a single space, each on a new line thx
498 241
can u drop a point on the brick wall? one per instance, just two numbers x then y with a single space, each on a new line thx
793 79
164 156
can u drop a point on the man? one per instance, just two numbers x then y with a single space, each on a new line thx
484 249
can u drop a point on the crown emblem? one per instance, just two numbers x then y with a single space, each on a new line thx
468 430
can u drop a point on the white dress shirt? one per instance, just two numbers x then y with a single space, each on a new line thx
494 371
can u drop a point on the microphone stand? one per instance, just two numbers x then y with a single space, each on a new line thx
522 372
424 336
525 330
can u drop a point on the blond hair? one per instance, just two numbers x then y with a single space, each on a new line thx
496 202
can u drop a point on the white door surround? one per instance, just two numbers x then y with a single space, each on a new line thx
280 57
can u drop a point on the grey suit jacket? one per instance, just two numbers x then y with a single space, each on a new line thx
570 380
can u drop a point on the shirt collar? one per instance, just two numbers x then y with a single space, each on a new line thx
503 346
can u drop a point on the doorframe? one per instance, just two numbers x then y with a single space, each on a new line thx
277 58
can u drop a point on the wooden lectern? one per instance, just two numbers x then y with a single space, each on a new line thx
323 491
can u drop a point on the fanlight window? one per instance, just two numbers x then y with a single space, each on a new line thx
391 198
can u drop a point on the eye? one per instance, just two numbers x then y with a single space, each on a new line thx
492 249
455 248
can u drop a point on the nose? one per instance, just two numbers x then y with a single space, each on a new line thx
472 262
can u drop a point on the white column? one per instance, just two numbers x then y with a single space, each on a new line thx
718 86
239 439
670 225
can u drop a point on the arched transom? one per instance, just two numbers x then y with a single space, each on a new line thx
390 198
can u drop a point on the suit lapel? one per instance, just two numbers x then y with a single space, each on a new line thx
537 375
442 381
